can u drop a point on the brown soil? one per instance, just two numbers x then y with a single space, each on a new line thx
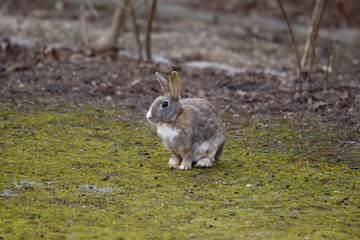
65 72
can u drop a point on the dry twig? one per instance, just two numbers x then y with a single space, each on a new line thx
328 66
292 35
149 28
92 9
136 30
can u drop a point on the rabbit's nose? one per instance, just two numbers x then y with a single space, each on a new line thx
148 115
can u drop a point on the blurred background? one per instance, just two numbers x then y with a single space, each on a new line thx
238 54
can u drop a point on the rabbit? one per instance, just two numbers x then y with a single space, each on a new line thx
189 128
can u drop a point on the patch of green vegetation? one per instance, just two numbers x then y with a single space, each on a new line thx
94 173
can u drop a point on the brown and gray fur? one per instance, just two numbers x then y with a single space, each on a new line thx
189 128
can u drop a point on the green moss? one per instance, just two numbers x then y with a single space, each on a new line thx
91 173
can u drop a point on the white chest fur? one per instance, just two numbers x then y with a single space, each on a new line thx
166 132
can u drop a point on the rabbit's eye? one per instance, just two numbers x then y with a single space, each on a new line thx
165 104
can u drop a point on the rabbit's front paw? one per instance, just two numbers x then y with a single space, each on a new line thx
185 166
174 163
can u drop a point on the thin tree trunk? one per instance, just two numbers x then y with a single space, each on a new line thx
309 52
84 34
136 31
108 42
149 28
118 20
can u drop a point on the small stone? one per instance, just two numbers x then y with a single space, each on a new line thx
207 225
260 183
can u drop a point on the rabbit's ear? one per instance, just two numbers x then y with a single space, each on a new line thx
163 83
175 85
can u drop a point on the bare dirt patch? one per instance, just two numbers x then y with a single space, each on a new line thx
42 61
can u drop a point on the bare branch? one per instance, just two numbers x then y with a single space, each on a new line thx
136 30
92 9
149 28
328 66
292 36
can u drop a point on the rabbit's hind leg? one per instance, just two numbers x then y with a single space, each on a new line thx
209 158
205 162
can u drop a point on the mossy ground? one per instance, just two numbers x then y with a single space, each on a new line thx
93 173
